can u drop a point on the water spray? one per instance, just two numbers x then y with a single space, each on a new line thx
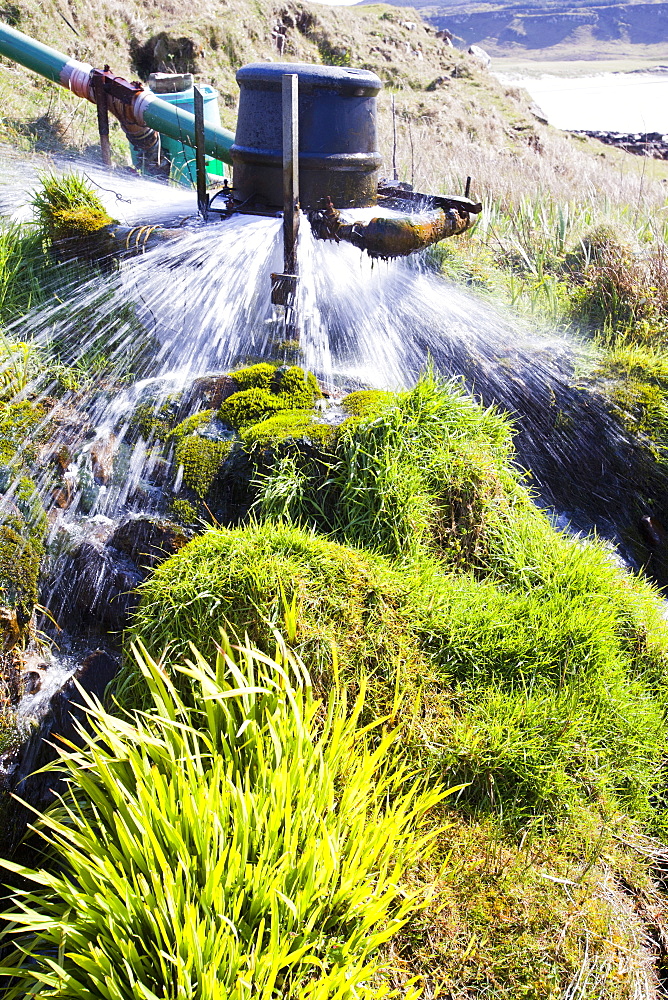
306 141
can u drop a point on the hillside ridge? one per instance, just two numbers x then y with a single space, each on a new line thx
595 30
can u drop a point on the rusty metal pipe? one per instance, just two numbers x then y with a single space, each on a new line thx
431 220
406 234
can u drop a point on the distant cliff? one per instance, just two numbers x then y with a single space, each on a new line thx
561 29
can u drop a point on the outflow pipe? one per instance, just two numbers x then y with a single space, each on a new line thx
137 109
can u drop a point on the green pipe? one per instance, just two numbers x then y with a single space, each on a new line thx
180 125
144 109
31 54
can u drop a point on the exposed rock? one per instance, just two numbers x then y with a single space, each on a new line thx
654 144
480 56
211 391
653 531
164 53
538 114
102 454
149 540
10 630
96 586
32 681
21 770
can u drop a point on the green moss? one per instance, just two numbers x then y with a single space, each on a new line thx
184 511
27 499
20 559
201 460
288 425
20 425
293 383
267 391
154 419
258 376
367 402
190 425
249 407
77 223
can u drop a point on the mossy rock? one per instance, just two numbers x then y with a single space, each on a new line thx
268 390
201 460
20 559
258 376
155 419
184 512
22 427
288 425
191 425
367 402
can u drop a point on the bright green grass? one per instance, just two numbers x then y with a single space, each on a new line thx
250 845
542 700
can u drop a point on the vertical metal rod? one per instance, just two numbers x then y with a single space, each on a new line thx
395 175
102 117
290 171
200 162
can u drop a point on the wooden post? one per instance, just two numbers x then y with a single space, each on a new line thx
200 162
102 117
290 171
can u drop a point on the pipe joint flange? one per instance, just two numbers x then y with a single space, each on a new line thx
77 77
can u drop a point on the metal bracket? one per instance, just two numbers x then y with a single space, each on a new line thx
100 91
200 161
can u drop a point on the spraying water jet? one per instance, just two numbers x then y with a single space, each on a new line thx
306 140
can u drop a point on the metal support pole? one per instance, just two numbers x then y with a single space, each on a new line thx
200 162
284 286
290 171
291 198
102 116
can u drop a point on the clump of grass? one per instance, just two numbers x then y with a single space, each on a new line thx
541 697
25 267
634 380
67 208
243 580
417 474
249 842
617 284
281 492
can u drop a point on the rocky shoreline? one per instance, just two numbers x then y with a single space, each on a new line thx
654 144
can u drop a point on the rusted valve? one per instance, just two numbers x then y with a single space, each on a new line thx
431 219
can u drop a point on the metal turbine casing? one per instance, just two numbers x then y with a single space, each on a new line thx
338 145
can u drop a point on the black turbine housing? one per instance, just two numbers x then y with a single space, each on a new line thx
338 155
